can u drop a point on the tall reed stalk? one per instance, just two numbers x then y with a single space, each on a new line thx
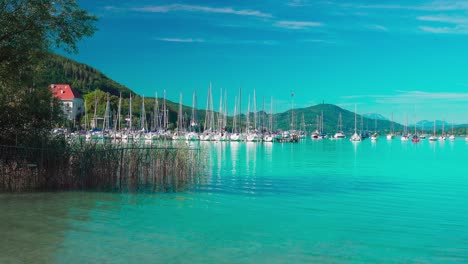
100 167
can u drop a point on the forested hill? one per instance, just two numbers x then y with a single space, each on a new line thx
82 77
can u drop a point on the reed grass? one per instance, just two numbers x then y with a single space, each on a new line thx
100 167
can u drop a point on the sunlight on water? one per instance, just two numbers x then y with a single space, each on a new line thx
323 202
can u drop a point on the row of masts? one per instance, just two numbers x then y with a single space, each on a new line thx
214 121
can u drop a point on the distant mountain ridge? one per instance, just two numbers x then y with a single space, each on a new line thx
375 116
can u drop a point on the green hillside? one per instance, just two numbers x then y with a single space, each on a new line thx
85 79
330 119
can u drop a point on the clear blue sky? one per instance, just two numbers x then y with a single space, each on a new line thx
384 56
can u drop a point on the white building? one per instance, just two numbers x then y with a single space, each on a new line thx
73 102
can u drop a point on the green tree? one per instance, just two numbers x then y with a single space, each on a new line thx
29 29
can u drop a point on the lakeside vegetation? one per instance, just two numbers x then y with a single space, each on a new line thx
99 167
31 157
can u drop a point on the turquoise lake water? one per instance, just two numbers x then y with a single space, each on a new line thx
312 202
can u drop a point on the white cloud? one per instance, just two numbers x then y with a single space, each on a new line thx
183 40
204 9
297 24
459 24
297 3
445 19
444 30
378 27
445 5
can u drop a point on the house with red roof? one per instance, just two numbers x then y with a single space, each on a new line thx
73 102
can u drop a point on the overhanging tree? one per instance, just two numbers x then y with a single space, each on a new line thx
29 29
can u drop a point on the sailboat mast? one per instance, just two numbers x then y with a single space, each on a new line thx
130 114
95 112
156 123
143 115
179 118
270 128
355 120
255 110
240 109
263 114
234 118
292 111
247 125
117 123
165 117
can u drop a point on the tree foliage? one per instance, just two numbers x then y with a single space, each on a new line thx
28 30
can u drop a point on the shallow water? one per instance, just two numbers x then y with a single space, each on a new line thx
323 202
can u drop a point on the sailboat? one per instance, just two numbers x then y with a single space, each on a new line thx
392 127
252 135
466 136
339 134
423 134
404 136
442 136
269 137
433 137
375 136
355 137
316 134
415 138
193 134
452 136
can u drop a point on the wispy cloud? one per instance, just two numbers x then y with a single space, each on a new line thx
183 40
297 24
445 19
377 27
218 41
459 24
323 41
297 3
203 9
432 6
413 97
